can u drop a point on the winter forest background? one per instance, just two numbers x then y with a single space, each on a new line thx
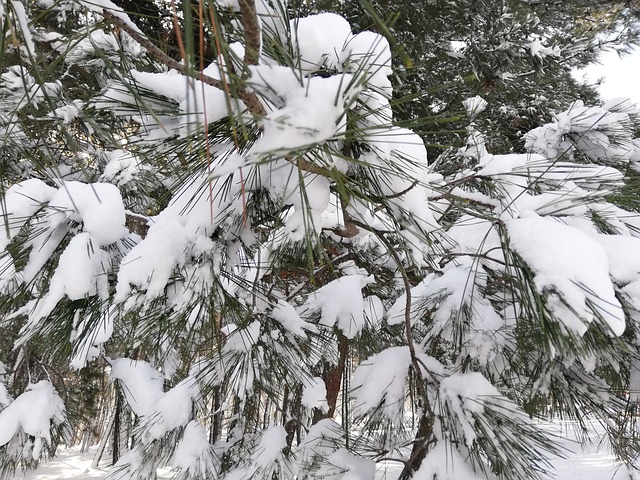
299 240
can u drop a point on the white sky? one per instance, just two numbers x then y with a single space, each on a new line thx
621 75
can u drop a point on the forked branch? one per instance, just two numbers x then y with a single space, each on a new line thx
250 99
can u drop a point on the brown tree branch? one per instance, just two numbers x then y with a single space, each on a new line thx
250 99
252 51
137 224
251 25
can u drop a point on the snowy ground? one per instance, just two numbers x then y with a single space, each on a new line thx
589 462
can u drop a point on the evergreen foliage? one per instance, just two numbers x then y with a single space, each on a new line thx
225 251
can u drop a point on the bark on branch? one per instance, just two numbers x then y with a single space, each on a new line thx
251 25
250 99
252 51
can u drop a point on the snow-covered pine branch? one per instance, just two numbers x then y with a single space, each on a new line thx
256 253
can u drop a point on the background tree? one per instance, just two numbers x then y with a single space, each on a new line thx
255 249
519 55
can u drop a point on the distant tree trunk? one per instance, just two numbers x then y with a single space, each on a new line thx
266 417
103 442
216 424
285 404
115 450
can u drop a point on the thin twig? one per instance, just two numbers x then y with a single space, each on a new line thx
425 430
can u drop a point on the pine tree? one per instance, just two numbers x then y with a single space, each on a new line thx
234 225
518 55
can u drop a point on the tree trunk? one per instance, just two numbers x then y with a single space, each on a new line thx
332 376
420 446
216 425
115 450
103 443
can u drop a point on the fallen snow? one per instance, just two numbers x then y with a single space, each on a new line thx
592 461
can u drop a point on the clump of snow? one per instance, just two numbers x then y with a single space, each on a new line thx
314 394
92 335
85 49
314 113
149 264
242 340
98 206
346 466
26 89
599 132
465 396
474 105
572 270
623 253
320 441
199 103
33 412
142 383
69 112
160 412
537 49
373 310
20 202
368 54
273 440
315 47
476 236
122 167
444 462
172 410
455 304
264 454
81 272
380 381
274 83
341 302
100 6
285 314
402 150
193 453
